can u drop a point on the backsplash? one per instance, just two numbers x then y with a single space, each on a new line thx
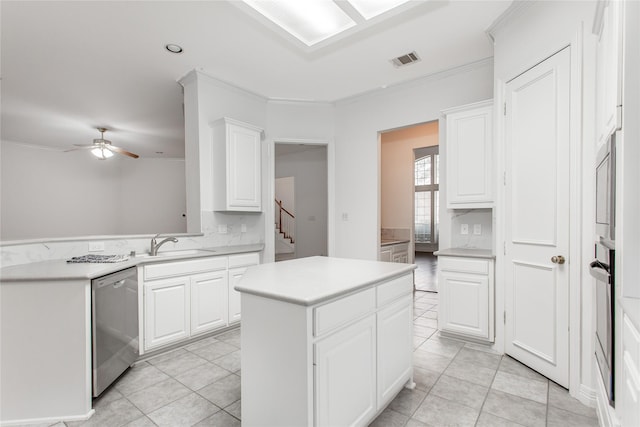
395 234
471 217
213 237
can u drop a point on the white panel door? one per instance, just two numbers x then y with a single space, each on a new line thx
395 348
537 217
208 301
166 311
345 376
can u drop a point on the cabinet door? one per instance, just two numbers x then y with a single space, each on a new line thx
630 411
208 301
234 296
243 168
385 254
464 304
609 71
166 311
345 376
395 348
468 151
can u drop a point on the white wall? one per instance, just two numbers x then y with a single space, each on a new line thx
285 191
309 170
47 193
524 39
357 149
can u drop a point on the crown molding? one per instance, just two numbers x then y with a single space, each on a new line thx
517 8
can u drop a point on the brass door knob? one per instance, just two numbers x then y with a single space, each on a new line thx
557 259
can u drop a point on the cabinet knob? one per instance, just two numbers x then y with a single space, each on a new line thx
559 259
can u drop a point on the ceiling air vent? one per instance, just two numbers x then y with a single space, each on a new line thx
407 59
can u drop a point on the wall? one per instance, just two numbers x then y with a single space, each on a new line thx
49 193
309 170
532 33
357 148
397 174
285 191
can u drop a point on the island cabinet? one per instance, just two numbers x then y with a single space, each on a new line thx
334 336
466 297
468 151
236 161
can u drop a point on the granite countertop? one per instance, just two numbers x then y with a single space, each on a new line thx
61 270
389 242
465 252
309 281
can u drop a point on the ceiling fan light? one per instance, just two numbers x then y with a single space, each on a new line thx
101 153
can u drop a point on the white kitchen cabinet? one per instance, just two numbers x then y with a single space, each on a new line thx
183 299
238 265
167 315
345 372
208 302
630 399
337 362
608 28
394 253
395 345
469 156
466 306
236 150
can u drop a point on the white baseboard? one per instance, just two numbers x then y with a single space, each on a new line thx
587 396
48 420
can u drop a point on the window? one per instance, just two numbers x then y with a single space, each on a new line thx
426 184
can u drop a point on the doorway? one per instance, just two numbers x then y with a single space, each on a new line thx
301 200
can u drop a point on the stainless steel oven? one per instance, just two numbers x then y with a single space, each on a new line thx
602 268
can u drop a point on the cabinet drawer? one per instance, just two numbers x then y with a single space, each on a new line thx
393 289
244 260
193 266
463 265
331 315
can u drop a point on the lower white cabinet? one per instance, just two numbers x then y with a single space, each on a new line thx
167 314
394 253
208 302
178 304
345 372
466 305
336 363
630 405
238 264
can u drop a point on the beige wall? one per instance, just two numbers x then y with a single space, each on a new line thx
396 174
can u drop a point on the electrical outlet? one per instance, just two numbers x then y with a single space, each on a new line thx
464 228
222 228
345 216
96 246
477 229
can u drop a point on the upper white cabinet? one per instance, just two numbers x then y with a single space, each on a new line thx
469 154
607 26
236 151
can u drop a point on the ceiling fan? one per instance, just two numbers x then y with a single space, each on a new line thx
102 148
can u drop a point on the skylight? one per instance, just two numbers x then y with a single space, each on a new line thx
313 21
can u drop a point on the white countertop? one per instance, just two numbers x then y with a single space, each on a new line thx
464 252
309 281
61 270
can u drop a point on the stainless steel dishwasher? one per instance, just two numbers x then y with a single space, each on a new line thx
114 315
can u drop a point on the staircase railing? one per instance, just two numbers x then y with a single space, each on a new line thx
285 221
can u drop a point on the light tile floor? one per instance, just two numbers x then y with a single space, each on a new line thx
458 383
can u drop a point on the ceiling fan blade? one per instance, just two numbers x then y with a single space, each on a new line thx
121 151
79 147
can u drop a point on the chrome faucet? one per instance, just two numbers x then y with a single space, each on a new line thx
153 251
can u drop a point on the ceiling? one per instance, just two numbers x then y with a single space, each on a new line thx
68 67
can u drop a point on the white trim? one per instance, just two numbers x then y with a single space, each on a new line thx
47 420
516 8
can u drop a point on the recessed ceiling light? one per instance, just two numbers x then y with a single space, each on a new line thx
173 48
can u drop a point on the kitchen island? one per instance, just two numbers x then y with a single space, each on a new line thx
325 341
